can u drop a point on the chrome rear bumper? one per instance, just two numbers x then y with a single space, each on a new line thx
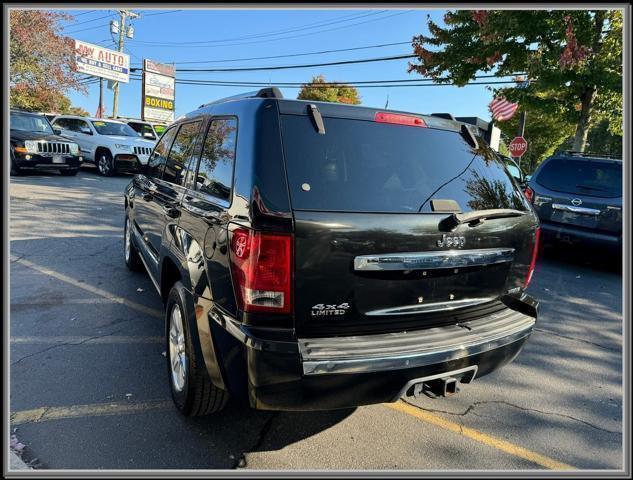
397 351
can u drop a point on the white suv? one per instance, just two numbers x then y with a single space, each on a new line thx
113 146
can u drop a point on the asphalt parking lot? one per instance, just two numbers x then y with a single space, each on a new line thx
89 390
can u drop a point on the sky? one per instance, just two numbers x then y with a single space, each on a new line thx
236 35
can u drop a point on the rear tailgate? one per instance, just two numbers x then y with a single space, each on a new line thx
370 255
580 193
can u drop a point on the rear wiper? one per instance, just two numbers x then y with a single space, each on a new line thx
587 187
476 217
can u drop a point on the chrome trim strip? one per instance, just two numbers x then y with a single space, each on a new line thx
456 343
432 260
430 307
573 209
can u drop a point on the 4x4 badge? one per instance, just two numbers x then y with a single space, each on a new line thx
451 241
321 310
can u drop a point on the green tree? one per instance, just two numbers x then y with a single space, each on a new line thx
322 91
602 141
545 132
574 58
41 68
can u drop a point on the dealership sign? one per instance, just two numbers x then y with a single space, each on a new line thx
159 92
101 62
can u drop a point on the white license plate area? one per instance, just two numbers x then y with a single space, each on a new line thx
58 159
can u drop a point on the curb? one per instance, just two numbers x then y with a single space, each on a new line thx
16 463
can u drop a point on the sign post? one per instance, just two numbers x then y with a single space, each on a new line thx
159 92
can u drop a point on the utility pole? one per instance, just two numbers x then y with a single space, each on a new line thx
124 15
100 109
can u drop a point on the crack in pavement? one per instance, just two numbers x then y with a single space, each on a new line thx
538 329
57 345
471 409
240 462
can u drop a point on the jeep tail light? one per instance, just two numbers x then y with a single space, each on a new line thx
529 194
537 237
399 119
261 267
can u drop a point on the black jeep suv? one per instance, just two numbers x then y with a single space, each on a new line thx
35 145
320 256
578 198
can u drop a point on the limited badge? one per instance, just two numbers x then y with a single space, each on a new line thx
326 310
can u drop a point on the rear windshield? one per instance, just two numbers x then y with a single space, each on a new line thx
363 166
582 177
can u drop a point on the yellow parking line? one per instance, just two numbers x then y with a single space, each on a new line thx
97 291
45 414
478 436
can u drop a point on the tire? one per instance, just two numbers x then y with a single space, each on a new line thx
15 170
192 391
71 172
130 253
105 164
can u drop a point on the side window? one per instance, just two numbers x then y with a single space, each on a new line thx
175 167
82 127
61 123
159 155
215 172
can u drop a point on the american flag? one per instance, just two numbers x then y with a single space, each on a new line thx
502 109
100 111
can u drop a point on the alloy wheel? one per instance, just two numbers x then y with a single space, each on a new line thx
177 351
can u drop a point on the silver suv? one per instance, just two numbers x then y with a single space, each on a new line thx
113 146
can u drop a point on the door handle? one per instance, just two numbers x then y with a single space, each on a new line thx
171 211
148 197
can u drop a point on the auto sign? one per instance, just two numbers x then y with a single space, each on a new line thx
101 62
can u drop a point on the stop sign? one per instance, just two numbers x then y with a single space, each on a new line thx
518 146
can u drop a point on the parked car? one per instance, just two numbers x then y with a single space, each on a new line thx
143 128
578 198
111 145
319 256
35 145
514 170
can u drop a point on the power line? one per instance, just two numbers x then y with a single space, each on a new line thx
322 52
288 67
84 13
322 23
91 20
160 13
295 86
89 28
179 45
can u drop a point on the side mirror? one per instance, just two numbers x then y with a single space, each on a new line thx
149 135
57 131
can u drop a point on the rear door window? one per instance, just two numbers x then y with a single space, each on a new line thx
215 171
582 177
175 166
159 155
364 166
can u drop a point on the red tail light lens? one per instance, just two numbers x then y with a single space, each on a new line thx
398 119
529 194
261 266
537 238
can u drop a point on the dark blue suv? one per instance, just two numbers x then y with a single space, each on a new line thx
578 198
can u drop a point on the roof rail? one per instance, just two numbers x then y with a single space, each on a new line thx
268 92
573 153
